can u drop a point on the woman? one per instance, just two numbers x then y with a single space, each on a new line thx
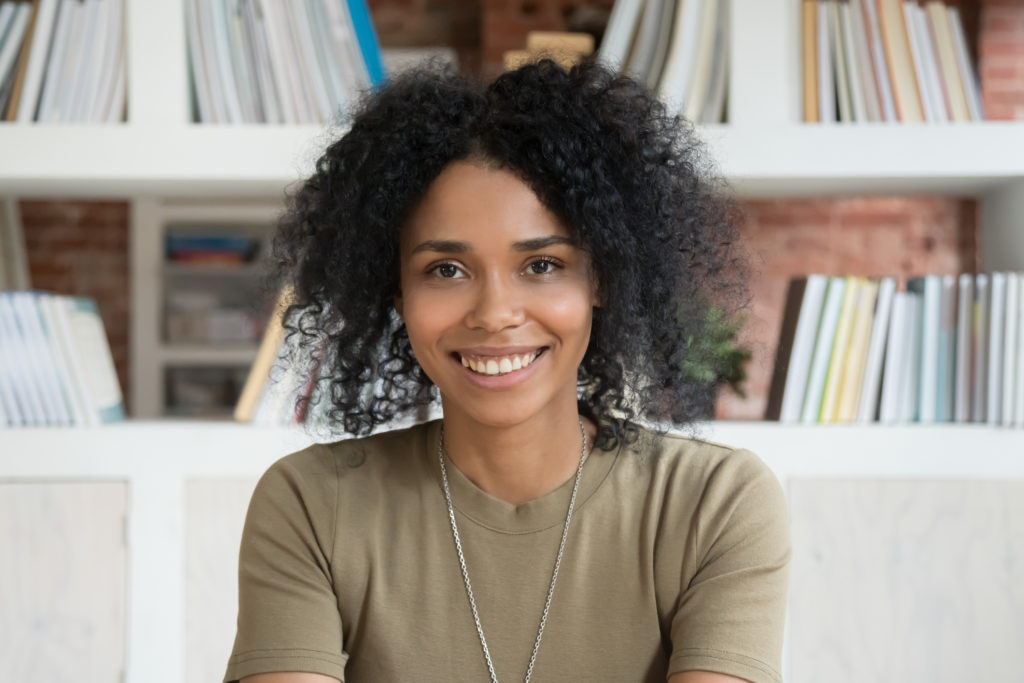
541 254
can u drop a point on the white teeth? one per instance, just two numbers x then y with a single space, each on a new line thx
499 366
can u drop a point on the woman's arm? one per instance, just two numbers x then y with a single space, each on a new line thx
303 677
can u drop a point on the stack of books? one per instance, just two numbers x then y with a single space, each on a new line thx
271 61
887 61
944 349
62 61
680 49
56 368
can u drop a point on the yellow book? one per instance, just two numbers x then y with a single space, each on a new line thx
856 358
830 399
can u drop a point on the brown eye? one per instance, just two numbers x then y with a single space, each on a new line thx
447 270
542 267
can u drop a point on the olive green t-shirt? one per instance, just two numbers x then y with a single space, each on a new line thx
676 559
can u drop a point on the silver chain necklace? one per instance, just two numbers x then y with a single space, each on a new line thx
465 572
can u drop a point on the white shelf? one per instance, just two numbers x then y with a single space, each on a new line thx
209 354
261 161
189 448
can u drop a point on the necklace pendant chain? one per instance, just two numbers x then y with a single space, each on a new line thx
554 573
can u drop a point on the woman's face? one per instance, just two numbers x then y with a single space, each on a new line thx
496 297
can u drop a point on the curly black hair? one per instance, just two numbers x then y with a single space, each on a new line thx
630 180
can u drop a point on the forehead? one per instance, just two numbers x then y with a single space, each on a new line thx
471 202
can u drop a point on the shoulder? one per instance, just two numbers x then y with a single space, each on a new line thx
318 470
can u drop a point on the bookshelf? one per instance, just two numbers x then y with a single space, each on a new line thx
163 163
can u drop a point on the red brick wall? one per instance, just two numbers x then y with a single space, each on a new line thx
81 247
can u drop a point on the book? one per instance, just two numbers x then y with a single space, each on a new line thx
879 64
947 60
809 43
868 407
979 347
967 74
891 400
1010 349
38 353
714 105
697 90
675 80
826 68
12 31
996 336
804 301
666 23
854 55
620 29
840 346
822 350
852 380
641 54
366 38
91 359
24 384
35 66
838 55
965 370
945 375
900 63
924 64
868 84
928 288
910 405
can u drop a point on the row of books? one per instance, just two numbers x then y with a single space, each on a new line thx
944 349
887 61
272 61
56 368
221 249
678 48
62 61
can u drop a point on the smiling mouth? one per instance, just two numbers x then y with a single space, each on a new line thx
499 365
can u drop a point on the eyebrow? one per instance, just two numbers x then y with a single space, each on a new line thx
454 247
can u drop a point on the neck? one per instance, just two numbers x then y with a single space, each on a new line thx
517 463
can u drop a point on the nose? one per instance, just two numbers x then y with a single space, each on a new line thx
497 305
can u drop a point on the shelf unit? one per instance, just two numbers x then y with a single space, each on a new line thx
158 158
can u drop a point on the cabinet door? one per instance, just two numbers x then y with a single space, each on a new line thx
906 580
62 582
215 514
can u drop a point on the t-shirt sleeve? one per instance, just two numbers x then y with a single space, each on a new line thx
288 618
732 608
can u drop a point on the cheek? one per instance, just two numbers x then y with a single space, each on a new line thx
426 316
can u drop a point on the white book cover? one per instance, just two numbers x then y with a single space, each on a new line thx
891 398
619 32
909 392
336 88
963 382
242 67
313 76
714 104
41 363
92 358
10 45
840 350
645 41
996 325
853 64
37 59
869 396
930 289
933 66
1010 358
979 348
211 66
918 58
27 386
664 41
10 395
842 80
115 107
346 45
55 60
111 44
675 80
822 350
946 375
86 73
1018 401
197 63
697 90
302 85
826 82
270 98
7 11
865 69
77 45
62 361
222 52
291 99
967 73
803 348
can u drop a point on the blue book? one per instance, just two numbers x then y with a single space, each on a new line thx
367 38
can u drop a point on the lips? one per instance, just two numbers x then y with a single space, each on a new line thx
492 365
